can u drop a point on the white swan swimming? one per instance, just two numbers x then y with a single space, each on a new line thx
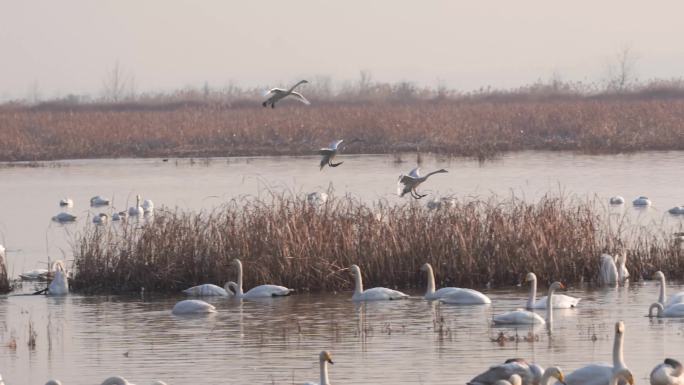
193 306
136 210
560 301
323 358
617 200
613 270
209 289
117 380
441 203
98 201
317 198
673 311
674 299
601 374
64 218
529 373
408 183
120 216
670 372
641 201
279 93
514 379
101 219
60 283
526 317
148 206
374 294
66 202
677 210
451 295
261 291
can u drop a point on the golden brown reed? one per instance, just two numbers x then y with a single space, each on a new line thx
478 127
290 242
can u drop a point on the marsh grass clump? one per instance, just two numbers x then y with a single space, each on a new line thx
286 240
5 284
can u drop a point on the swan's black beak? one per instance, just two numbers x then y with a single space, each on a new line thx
330 361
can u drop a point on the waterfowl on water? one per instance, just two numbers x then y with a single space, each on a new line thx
677 210
641 201
324 358
613 270
99 201
525 317
317 198
64 218
603 374
408 183
209 289
66 202
530 374
279 93
617 200
101 219
148 206
136 210
261 291
673 311
662 297
560 301
374 294
60 283
120 216
670 372
116 380
452 295
193 306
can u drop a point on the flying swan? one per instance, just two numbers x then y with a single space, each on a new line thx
374 294
452 295
279 93
408 183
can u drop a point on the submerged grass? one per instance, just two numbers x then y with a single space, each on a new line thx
288 241
479 128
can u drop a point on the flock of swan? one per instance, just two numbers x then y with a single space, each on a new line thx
145 207
643 201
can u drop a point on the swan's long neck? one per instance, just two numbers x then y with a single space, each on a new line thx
549 308
618 357
546 377
295 86
431 281
358 282
658 306
533 293
324 373
663 294
239 280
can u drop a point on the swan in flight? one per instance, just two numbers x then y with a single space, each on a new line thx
60 283
66 202
193 306
613 270
136 210
64 218
529 374
279 93
617 200
98 201
560 301
262 291
329 153
209 289
374 294
525 317
673 311
669 372
641 201
324 358
408 183
514 379
674 299
601 374
451 295
148 206
100 219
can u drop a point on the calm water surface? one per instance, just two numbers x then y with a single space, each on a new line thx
30 196
82 340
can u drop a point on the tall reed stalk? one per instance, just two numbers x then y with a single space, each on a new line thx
288 241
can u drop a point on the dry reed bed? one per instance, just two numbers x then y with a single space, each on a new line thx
456 127
289 242
5 284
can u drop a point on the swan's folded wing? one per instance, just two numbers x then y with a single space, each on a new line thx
595 374
299 97
503 372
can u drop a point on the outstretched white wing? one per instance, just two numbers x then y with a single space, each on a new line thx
299 97
274 91
335 143
415 173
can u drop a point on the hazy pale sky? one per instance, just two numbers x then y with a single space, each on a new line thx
67 46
